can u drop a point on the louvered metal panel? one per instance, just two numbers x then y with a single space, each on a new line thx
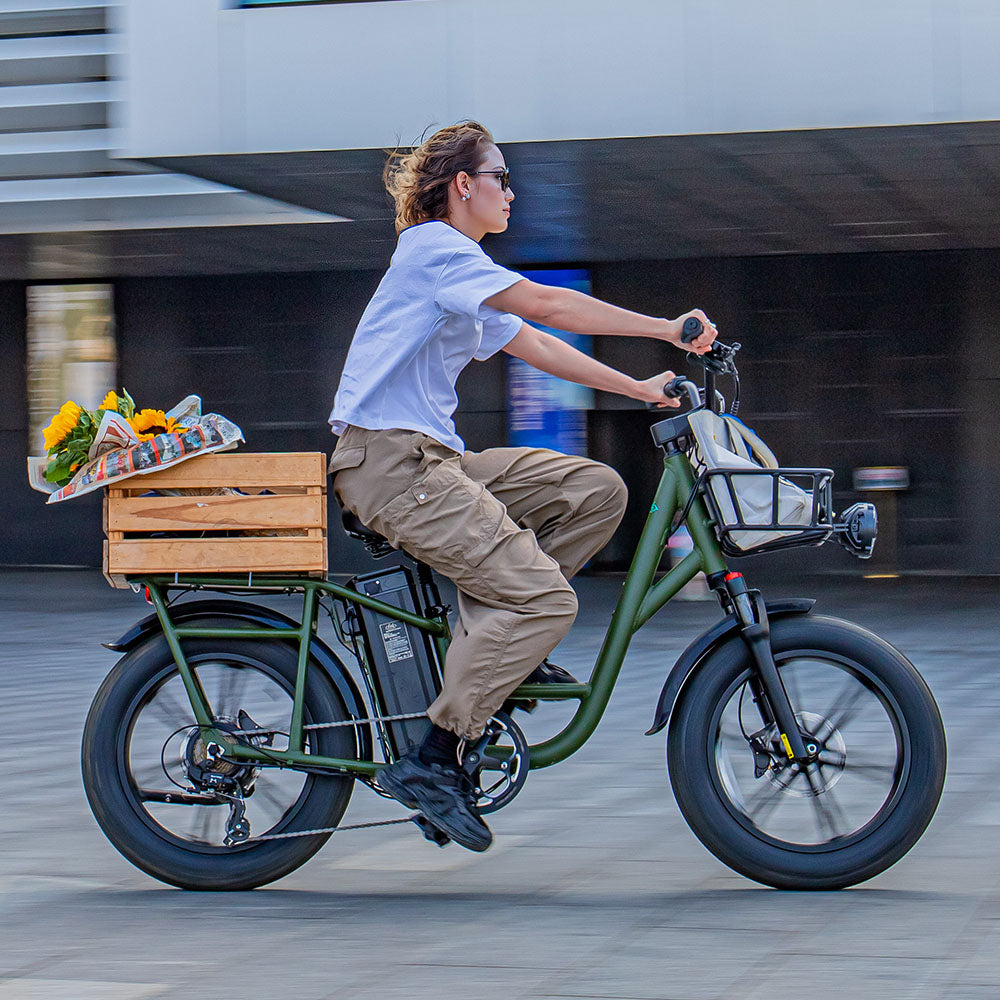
63 46
103 92
56 22
53 117
56 169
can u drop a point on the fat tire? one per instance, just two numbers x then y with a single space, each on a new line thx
702 805
116 809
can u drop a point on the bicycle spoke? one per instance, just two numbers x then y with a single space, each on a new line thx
827 811
867 771
847 705
149 776
266 794
161 730
168 707
230 689
761 806
202 826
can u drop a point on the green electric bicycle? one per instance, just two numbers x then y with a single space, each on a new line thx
805 752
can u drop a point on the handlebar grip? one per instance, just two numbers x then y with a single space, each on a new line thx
691 330
673 390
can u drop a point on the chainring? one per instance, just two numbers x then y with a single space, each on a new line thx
499 777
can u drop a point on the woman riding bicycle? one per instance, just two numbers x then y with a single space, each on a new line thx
510 526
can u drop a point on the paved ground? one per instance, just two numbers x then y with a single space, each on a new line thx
595 887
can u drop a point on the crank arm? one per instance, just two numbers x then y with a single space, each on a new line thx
757 636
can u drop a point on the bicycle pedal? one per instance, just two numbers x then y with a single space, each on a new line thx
430 831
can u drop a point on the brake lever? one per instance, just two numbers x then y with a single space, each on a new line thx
720 360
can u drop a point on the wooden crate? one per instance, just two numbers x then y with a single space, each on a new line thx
280 532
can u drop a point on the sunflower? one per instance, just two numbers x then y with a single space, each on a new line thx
119 403
63 424
148 423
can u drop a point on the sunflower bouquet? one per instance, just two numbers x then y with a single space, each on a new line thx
88 448
71 437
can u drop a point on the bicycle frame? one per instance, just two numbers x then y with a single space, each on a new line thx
640 599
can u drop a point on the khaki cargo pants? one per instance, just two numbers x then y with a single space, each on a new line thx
510 526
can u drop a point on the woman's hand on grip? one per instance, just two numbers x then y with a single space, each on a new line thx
650 390
702 344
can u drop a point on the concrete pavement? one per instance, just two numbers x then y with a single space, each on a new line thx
595 887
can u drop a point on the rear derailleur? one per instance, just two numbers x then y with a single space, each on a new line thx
212 772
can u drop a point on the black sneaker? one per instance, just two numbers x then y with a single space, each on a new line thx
549 673
544 673
441 793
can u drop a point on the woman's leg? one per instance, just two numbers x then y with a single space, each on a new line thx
514 601
572 504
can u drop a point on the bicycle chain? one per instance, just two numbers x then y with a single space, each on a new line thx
328 829
334 725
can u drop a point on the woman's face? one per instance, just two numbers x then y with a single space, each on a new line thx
488 205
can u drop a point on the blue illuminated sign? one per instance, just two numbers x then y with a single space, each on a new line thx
544 411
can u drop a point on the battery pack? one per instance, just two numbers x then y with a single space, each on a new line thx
403 664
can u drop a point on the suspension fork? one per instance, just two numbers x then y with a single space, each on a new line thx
755 630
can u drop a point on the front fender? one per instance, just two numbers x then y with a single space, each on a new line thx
260 617
703 646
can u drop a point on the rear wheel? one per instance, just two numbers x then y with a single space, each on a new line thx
162 797
868 792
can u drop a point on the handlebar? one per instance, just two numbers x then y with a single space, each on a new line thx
691 330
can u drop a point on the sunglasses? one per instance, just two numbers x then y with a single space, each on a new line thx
502 175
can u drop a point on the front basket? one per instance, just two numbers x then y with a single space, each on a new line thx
762 510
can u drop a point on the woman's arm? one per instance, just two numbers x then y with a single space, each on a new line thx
549 354
568 309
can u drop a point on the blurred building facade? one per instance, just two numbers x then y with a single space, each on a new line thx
824 182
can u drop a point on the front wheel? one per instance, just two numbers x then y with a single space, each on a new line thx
165 803
866 795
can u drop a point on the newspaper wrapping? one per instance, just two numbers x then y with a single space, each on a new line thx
117 453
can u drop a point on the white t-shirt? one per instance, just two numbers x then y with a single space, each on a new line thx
424 324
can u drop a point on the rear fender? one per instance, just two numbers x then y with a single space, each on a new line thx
702 648
259 617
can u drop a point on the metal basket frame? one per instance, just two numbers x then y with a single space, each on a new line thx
816 532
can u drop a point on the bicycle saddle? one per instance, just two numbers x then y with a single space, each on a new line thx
376 545
354 527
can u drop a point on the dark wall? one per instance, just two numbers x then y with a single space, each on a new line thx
847 361
876 359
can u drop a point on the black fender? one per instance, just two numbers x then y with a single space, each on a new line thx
702 648
260 617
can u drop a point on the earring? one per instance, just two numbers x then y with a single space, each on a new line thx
466 196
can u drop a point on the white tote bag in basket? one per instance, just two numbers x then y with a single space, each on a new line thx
726 443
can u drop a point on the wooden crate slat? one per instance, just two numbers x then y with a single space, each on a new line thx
216 513
296 481
288 468
216 555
